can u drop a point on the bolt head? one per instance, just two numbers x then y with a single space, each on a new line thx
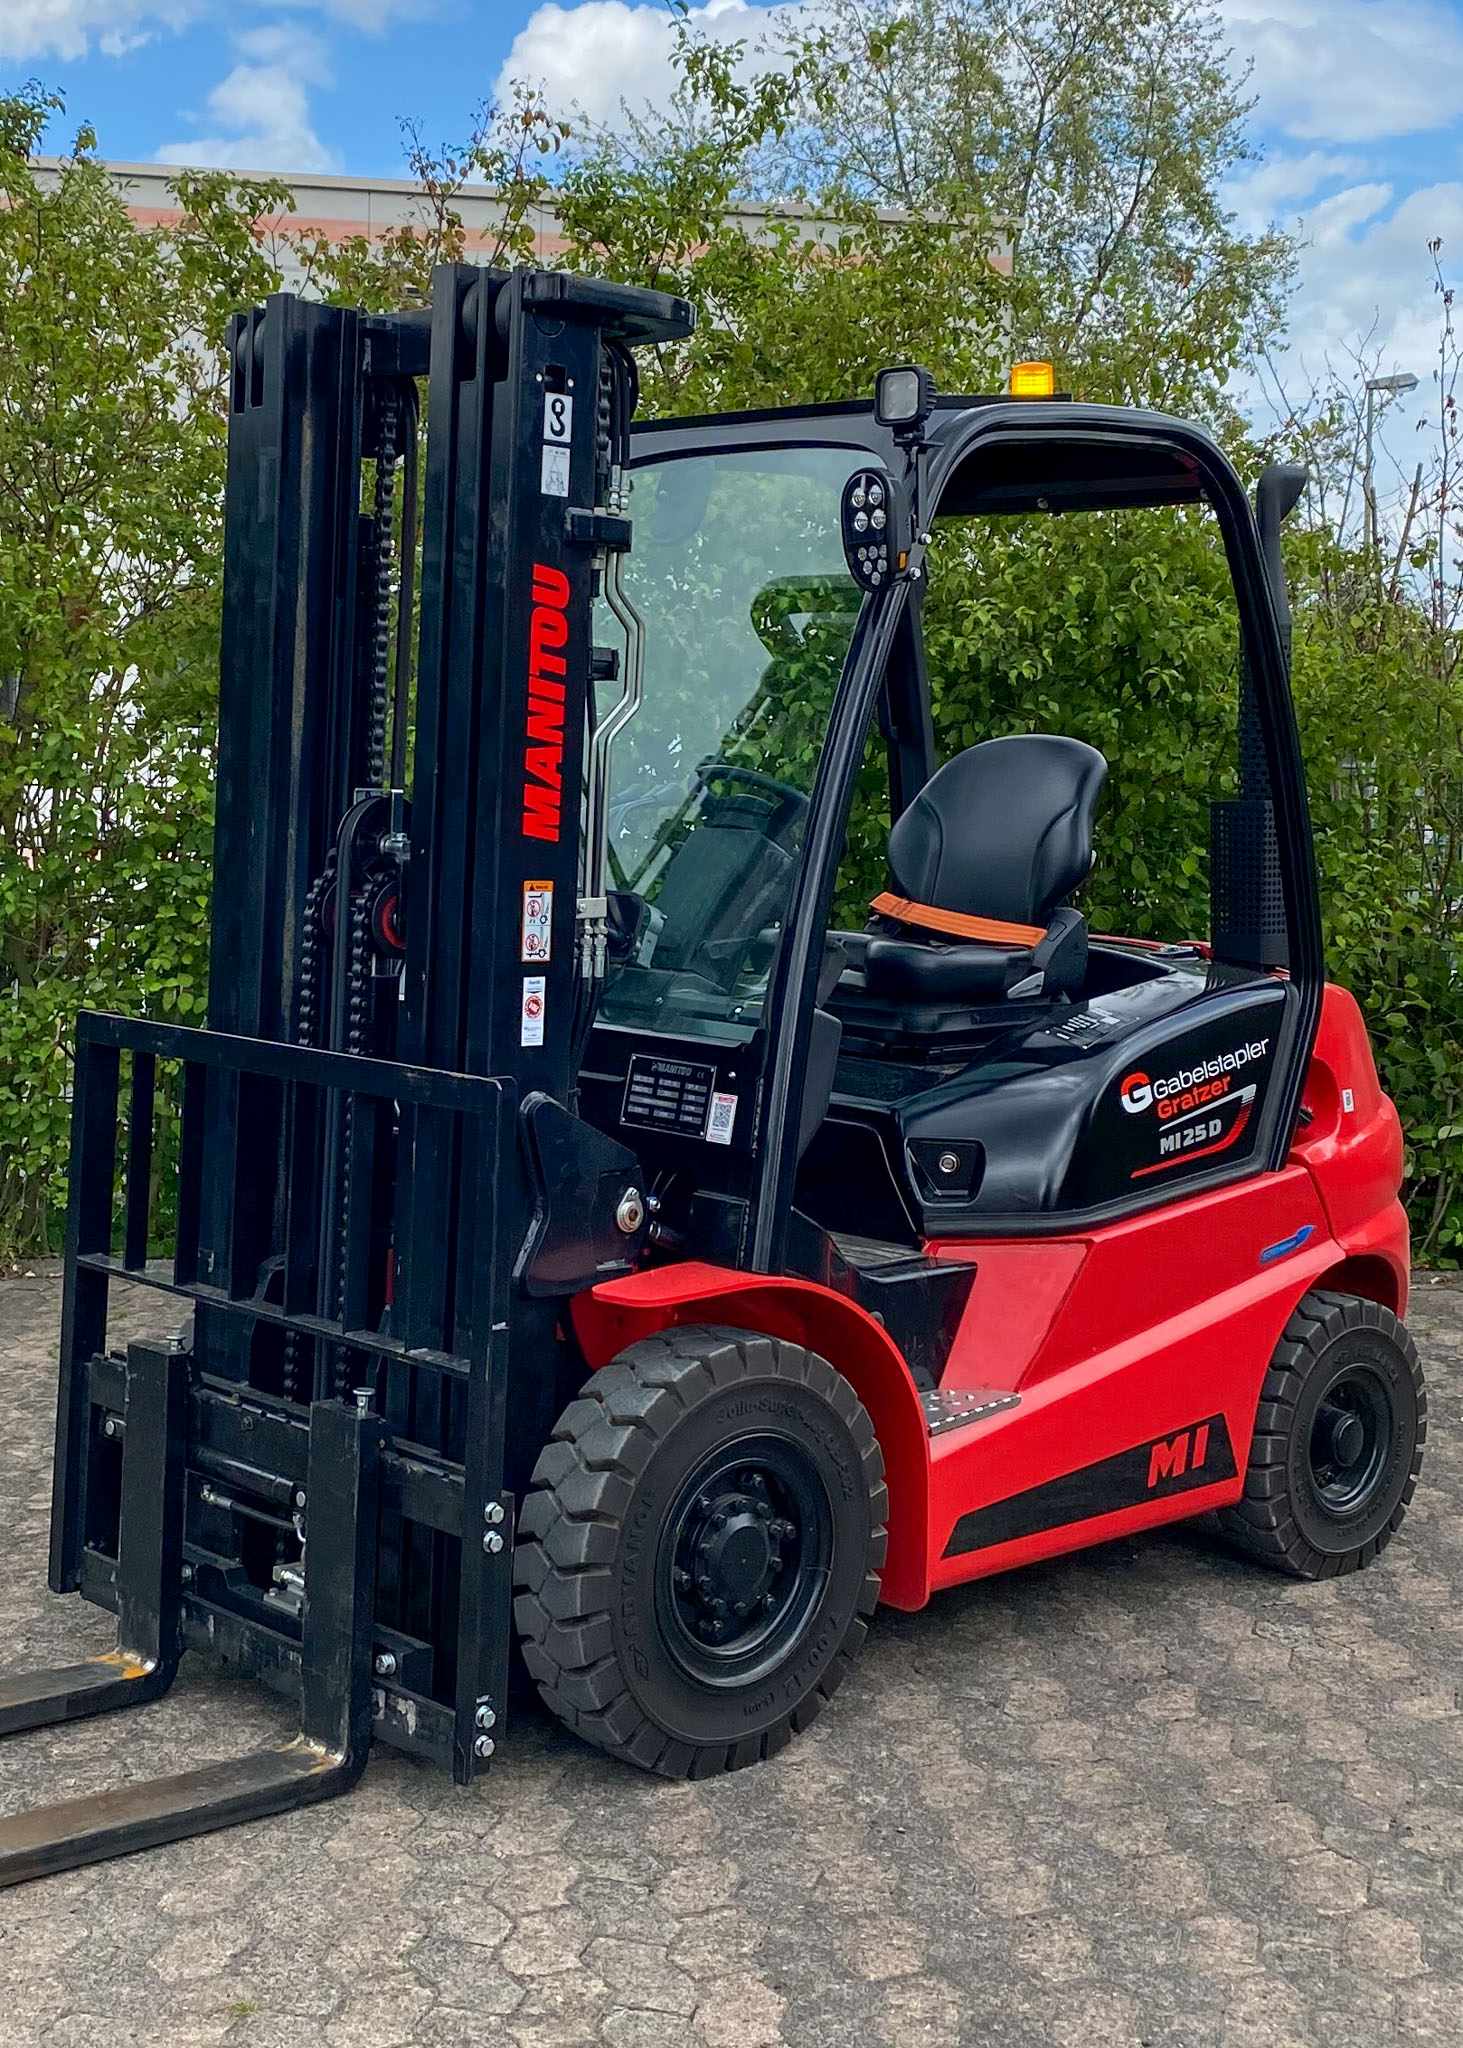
493 1512
486 1718
384 1664
492 1543
109 1427
299 1496
949 1162
484 1746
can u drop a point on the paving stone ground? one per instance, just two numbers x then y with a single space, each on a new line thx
1145 1798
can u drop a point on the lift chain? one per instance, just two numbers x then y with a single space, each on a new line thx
307 1028
358 1034
383 563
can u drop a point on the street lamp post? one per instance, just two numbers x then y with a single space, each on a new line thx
1385 387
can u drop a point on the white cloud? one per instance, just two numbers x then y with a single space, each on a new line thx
602 53
259 115
1280 186
66 29
1367 302
1351 70
1333 220
1379 280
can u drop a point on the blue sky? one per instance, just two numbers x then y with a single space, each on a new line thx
1360 116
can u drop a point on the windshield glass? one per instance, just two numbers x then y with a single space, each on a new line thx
738 572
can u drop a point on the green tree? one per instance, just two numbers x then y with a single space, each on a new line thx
1098 133
111 467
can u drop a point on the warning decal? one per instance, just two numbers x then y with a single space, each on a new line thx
538 916
531 1031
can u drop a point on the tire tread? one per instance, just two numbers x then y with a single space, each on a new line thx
1261 1523
582 1484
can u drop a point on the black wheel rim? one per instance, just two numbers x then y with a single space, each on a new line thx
744 1557
1351 1439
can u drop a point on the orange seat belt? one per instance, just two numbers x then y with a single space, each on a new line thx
956 924
994 931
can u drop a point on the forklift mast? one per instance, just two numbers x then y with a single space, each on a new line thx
319 1481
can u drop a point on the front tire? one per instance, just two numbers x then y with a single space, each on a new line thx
1338 1441
700 1552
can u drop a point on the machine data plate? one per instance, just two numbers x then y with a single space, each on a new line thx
668 1095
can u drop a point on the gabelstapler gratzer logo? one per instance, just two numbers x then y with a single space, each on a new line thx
1189 1088
543 746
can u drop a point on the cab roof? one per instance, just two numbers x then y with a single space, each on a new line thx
990 454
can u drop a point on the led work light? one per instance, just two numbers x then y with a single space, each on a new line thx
904 397
874 524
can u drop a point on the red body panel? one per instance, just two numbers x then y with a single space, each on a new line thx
1137 1350
618 1312
1354 1154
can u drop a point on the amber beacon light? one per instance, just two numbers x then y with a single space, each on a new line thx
1033 380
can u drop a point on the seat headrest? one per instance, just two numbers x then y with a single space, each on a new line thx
1004 830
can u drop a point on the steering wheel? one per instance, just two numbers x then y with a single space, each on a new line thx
791 804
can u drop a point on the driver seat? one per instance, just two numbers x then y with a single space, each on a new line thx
982 863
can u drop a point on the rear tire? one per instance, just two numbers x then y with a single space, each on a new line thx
700 1552
1338 1441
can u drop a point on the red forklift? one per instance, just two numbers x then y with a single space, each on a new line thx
589 1236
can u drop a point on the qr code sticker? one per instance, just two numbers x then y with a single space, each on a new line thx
720 1118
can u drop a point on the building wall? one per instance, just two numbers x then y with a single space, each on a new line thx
338 208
